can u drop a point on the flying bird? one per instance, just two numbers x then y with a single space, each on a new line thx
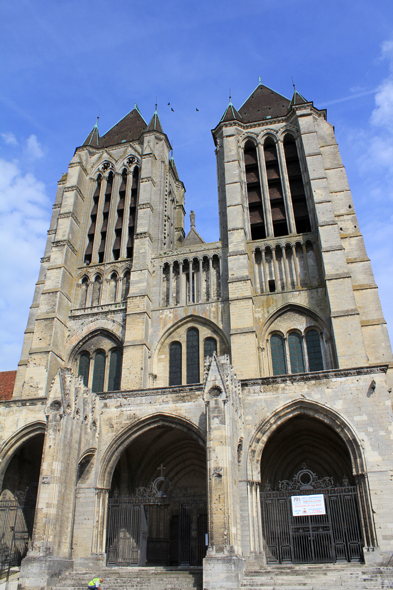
172 109
169 104
197 109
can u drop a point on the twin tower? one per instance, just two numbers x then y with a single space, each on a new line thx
231 366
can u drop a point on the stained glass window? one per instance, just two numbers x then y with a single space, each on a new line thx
192 356
210 346
314 352
99 372
115 370
84 365
175 363
296 352
278 354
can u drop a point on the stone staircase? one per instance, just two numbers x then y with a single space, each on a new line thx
140 578
319 577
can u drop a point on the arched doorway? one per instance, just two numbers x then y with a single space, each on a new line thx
309 498
157 507
18 500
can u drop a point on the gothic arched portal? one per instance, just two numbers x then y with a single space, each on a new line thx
313 507
157 506
18 495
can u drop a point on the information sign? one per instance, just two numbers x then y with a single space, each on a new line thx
308 505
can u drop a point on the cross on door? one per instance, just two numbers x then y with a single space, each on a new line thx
161 469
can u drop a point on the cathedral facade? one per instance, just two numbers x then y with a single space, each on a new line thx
181 403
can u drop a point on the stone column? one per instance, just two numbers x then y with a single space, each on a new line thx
267 210
295 266
286 189
170 283
304 248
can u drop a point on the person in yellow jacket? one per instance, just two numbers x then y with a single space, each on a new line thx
95 583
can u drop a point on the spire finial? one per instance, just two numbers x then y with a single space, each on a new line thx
260 80
293 84
230 97
192 219
155 110
98 118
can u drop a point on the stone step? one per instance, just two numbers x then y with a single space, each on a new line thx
136 578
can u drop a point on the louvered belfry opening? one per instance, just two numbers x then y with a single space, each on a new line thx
93 220
299 202
105 216
279 219
254 193
120 215
132 218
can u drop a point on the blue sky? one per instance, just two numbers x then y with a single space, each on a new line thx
65 61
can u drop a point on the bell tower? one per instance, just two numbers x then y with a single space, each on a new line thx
120 203
288 221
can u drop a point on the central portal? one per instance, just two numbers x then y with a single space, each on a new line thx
157 508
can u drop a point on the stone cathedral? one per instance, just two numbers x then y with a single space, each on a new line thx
183 404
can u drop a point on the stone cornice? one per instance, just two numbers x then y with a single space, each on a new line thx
178 390
71 215
35 401
316 376
75 188
60 243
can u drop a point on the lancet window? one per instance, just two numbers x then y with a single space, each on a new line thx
113 217
84 367
175 363
192 355
193 280
209 347
277 205
297 353
254 193
188 352
100 369
299 202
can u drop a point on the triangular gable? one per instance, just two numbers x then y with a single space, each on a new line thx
263 104
129 128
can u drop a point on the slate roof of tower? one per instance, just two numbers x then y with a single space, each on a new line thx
155 123
263 103
298 99
93 138
230 114
129 128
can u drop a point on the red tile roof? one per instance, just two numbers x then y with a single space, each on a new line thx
7 382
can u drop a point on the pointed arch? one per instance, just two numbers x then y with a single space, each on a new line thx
116 447
302 407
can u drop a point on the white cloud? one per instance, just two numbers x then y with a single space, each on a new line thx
25 213
383 113
33 148
9 139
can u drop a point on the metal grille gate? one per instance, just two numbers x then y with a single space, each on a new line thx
334 536
16 526
151 529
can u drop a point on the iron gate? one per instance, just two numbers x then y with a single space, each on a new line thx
150 528
16 526
330 537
